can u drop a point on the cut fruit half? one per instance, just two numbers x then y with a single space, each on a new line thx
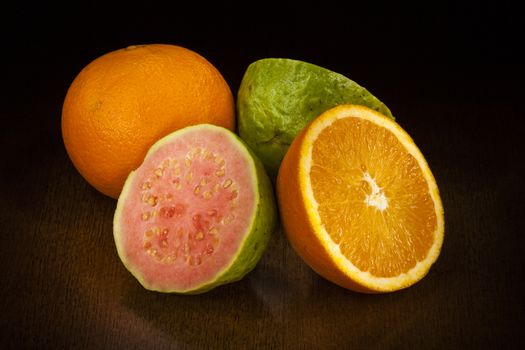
359 203
196 214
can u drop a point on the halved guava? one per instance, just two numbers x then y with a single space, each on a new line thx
196 214
279 96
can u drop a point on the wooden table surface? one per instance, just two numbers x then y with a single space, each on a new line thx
63 285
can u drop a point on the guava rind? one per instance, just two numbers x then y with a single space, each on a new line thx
278 97
251 249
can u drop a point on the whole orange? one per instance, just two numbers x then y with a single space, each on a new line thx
125 100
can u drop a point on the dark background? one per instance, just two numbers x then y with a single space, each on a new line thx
452 75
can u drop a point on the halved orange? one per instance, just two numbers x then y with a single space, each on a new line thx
359 203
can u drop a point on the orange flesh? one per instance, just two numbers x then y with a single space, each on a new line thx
373 199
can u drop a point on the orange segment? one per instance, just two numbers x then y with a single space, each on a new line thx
378 196
367 210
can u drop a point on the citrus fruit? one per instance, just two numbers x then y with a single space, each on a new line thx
196 214
124 101
359 203
278 97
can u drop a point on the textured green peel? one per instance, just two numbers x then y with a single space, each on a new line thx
278 97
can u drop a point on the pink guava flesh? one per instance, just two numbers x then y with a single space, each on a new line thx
186 211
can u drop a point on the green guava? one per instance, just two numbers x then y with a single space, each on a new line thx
278 97
196 214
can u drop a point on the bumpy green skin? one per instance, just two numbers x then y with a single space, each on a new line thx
278 97
263 225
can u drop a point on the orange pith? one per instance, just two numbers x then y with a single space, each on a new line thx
359 203
354 161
